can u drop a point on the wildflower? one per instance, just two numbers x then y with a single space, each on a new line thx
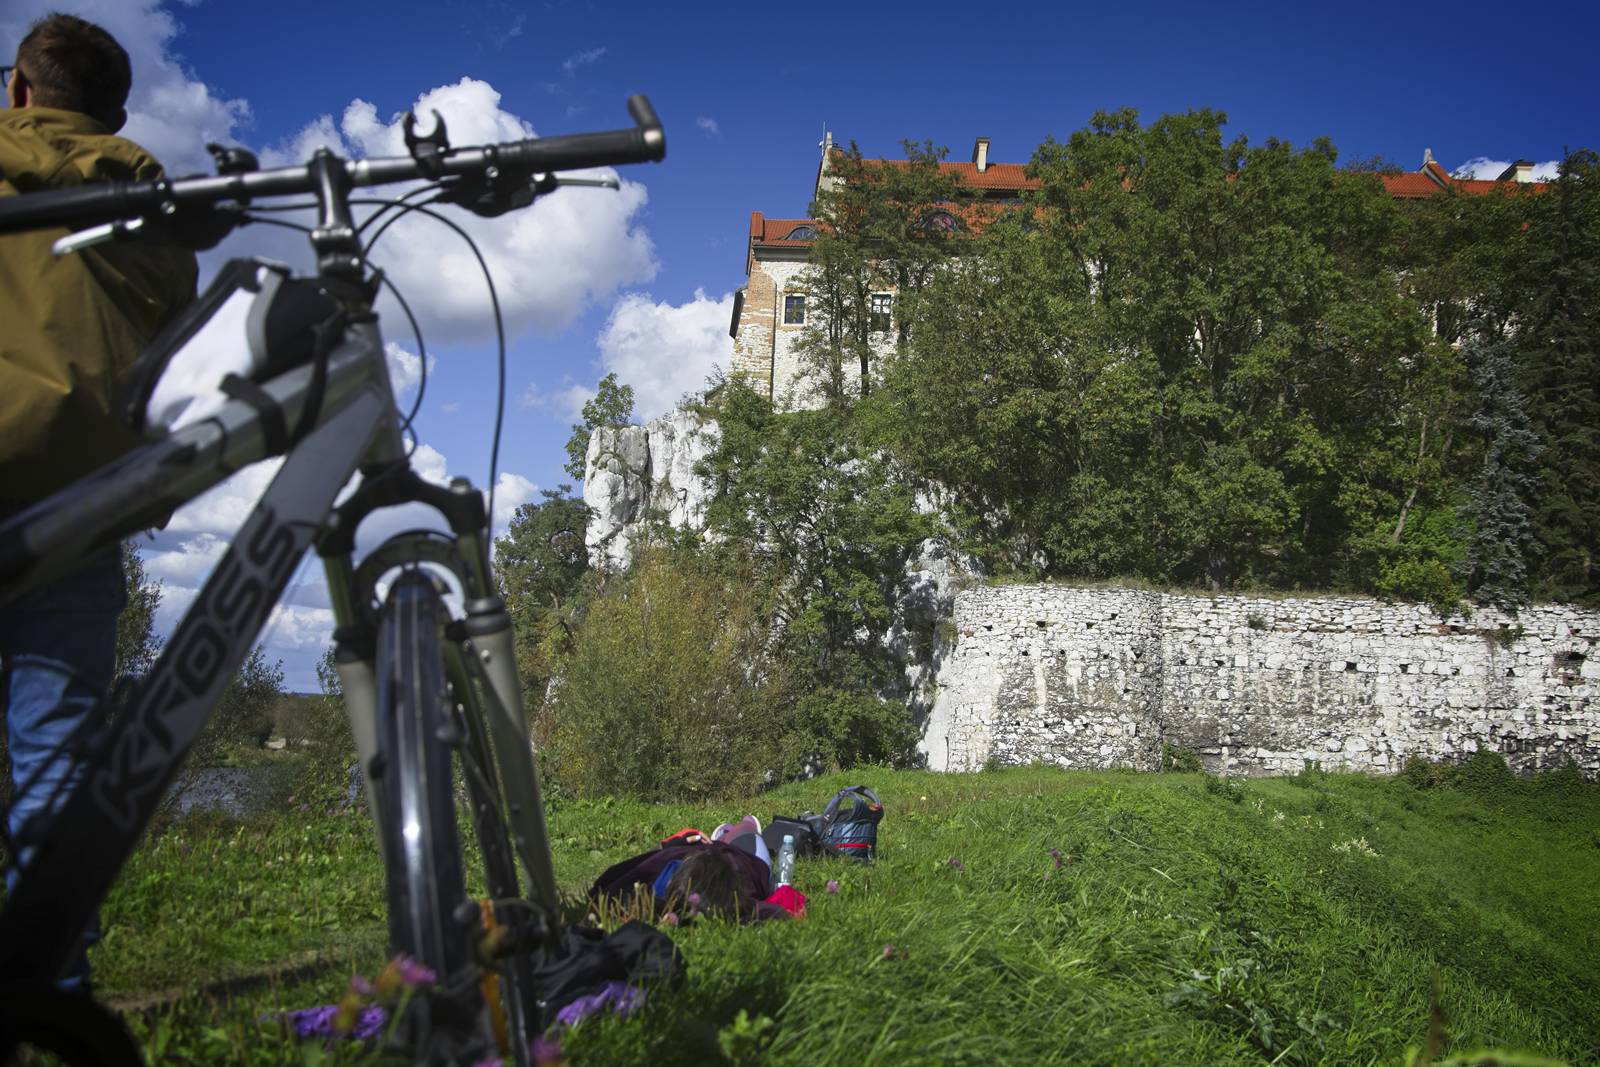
360 984
370 1023
415 975
833 886
620 997
670 919
957 864
694 901
313 1022
547 1052
401 973
1055 854
888 952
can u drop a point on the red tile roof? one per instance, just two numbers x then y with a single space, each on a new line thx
1430 180
775 232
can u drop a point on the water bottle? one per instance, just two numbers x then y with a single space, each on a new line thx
786 861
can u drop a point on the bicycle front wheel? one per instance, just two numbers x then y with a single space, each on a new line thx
431 918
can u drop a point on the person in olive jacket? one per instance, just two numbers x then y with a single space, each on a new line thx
70 332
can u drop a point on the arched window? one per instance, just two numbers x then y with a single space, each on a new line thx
943 222
802 233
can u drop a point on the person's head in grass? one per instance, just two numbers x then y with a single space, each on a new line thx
707 883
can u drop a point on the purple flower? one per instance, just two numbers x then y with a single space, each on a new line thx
415 975
888 952
620 997
669 919
313 1022
1055 854
547 1052
957 864
833 886
360 984
369 1023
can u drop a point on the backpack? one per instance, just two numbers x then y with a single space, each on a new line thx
852 829
806 829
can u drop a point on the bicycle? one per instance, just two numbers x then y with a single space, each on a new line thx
426 689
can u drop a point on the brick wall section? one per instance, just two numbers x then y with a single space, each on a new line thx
1100 678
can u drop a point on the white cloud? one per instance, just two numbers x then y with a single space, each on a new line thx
1484 168
549 261
664 350
170 112
582 59
405 368
564 404
511 492
708 125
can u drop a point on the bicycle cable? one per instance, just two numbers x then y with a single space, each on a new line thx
499 329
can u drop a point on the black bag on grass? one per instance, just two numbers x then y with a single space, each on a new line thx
850 823
807 831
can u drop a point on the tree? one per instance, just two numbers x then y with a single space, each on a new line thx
540 563
612 405
827 523
243 717
137 646
885 227
1186 360
1557 346
1498 506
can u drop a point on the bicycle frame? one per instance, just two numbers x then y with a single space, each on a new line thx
153 727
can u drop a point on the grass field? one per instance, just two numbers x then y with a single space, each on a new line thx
1022 916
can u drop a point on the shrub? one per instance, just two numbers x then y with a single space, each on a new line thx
668 691
243 717
1178 760
1426 581
849 729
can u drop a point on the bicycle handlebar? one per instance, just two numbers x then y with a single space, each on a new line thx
103 202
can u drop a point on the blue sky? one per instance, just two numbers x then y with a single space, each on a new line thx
640 282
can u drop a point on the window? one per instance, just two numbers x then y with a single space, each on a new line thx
878 319
794 309
802 233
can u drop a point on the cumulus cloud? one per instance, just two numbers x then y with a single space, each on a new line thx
183 555
565 404
405 368
170 111
709 125
581 59
665 350
1484 168
549 261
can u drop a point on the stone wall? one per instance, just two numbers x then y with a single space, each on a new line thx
1100 678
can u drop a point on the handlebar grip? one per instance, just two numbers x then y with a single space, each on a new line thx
84 204
645 143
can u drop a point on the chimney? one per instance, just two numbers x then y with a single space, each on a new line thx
980 154
1521 170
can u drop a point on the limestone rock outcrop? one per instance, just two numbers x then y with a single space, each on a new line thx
632 471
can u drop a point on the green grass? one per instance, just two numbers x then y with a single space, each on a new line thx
1302 920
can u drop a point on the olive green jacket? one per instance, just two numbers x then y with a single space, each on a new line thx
71 328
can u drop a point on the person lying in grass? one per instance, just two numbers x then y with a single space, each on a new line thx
691 876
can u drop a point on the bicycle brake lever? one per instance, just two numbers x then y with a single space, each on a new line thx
592 183
120 230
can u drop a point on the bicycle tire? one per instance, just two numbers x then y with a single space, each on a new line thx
431 918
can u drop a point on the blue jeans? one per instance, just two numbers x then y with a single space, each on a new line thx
58 646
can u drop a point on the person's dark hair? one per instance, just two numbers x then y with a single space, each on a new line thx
74 65
720 888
